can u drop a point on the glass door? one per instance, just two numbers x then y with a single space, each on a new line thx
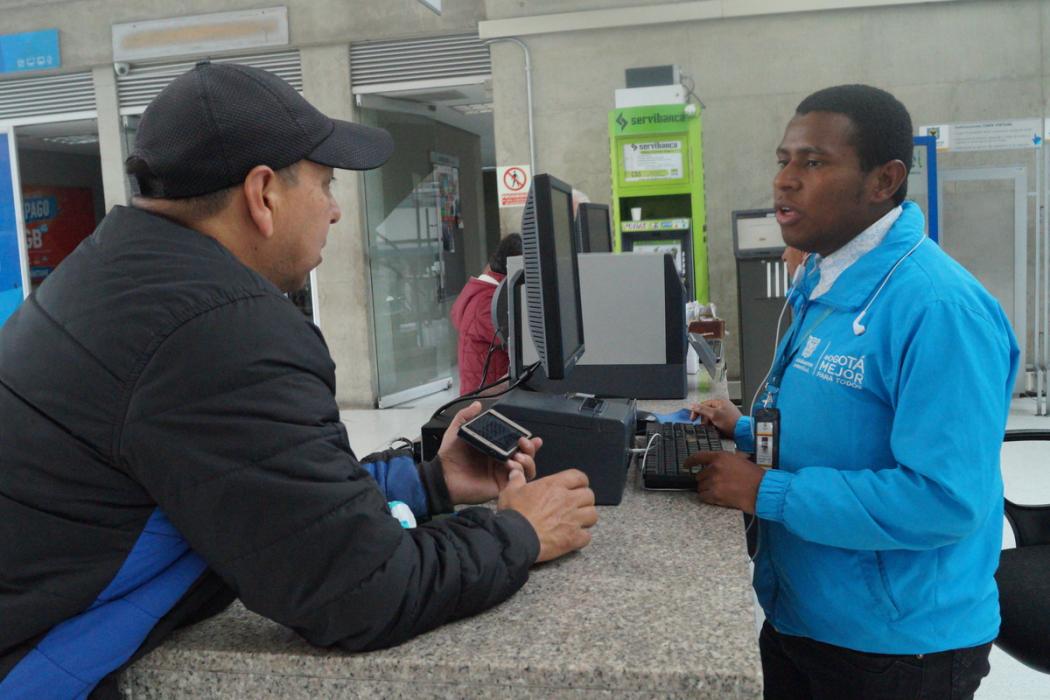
425 226
14 271
415 348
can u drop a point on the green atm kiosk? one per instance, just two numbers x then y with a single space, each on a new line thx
658 187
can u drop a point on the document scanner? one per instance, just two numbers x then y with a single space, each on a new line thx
583 432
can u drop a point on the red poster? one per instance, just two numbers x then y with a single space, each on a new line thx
57 219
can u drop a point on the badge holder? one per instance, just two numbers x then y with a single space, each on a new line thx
767 437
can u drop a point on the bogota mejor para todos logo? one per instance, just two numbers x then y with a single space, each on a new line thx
847 370
842 369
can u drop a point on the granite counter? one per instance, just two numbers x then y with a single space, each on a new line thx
659 605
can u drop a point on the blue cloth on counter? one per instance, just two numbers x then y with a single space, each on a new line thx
679 416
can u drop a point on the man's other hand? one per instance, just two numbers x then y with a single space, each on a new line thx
721 413
727 479
560 508
473 477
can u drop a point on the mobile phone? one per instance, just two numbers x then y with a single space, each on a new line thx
494 434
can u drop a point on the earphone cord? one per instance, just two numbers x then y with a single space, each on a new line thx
857 327
776 341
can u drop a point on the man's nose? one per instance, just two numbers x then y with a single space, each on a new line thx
337 213
785 178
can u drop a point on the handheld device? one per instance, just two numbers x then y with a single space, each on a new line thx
494 434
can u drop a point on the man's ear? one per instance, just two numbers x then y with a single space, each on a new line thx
888 178
260 197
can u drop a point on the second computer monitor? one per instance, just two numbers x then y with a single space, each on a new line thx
594 227
552 277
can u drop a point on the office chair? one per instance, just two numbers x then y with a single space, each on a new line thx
1024 577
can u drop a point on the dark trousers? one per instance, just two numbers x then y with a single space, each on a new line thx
798 668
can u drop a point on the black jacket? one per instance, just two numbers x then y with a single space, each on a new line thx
168 434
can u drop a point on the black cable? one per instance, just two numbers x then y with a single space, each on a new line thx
488 356
525 376
690 87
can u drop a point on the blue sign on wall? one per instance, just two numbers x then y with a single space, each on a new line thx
39 209
10 265
29 51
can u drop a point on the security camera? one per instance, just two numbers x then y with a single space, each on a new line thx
121 68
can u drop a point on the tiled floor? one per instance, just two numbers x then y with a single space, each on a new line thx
371 430
1026 473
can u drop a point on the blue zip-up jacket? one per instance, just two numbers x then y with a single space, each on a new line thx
882 527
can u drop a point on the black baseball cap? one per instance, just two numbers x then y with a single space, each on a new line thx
210 126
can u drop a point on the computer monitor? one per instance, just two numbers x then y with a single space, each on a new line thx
756 234
552 277
592 221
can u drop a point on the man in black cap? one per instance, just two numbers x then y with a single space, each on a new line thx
170 438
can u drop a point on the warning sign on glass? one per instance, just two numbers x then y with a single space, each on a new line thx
513 185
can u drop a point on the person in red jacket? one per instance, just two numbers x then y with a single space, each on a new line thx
482 359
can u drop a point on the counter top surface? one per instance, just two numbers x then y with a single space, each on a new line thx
659 605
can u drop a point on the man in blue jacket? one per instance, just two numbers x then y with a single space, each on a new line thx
880 527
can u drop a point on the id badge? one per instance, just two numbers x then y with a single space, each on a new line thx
767 437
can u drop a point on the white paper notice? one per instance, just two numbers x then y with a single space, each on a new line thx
653 160
1001 135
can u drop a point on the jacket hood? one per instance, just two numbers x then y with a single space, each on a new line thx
471 289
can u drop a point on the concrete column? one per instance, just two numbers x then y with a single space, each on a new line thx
110 135
343 288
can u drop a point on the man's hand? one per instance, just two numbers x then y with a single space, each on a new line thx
721 413
473 477
560 508
727 479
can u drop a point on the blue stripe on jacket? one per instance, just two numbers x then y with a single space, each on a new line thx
398 478
76 654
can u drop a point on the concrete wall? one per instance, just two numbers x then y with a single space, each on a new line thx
85 24
344 296
948 62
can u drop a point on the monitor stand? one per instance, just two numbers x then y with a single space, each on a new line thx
512 288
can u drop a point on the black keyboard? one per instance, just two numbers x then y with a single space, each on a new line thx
675 442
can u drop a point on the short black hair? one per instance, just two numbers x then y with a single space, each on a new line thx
882 128
145 183
510 245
